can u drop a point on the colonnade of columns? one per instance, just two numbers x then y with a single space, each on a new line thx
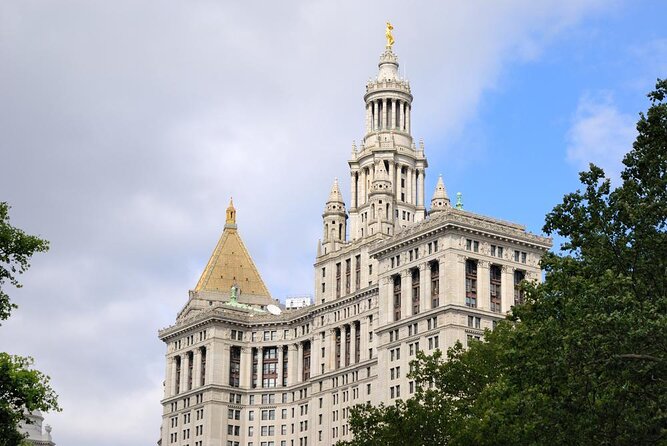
388 114
294 366
425 289
187 371
355 354
361 180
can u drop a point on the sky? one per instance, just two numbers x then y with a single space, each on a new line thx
126 126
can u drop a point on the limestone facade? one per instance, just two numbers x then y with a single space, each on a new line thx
397 280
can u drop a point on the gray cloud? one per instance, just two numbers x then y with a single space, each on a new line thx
126 126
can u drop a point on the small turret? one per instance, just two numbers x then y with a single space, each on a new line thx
440 200
230 221
334 220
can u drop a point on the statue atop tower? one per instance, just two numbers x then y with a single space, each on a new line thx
390 37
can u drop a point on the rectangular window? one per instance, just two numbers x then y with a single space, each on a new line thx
338 273
435 284
397 298
348 272
234 366
495 281
357 272
415 291
519 276
471 283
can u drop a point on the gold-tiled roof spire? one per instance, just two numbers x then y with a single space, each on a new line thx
230 264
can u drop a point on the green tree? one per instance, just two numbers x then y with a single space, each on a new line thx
22 389
16 249
584 360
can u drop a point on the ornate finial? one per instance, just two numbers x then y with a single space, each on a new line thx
459 200
354 146
390 37
231 215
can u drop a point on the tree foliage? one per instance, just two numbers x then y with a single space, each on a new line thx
16 249
584 360
22 389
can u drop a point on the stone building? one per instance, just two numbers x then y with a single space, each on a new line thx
37 433
391 278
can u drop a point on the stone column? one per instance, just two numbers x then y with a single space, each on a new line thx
353 189
506 289
458 285
392 175
398 182
226 359
384 113
332 359
280 366
368 118
408 180
343 332
299 362
483 287
353 343
315 353
393 114
361 196
260 367
424 287
413 177
291 364
171 377
196 368
363 345
184 372
420 187
443 297
245 374
376 116
406 294
408 109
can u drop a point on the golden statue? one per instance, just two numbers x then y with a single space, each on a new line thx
390 38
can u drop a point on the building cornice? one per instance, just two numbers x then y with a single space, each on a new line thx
463 221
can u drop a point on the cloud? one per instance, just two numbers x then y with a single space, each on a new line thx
126 126
600 134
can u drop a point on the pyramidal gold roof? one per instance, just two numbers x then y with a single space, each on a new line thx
231 264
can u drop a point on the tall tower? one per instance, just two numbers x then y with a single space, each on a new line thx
334 220
387 153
